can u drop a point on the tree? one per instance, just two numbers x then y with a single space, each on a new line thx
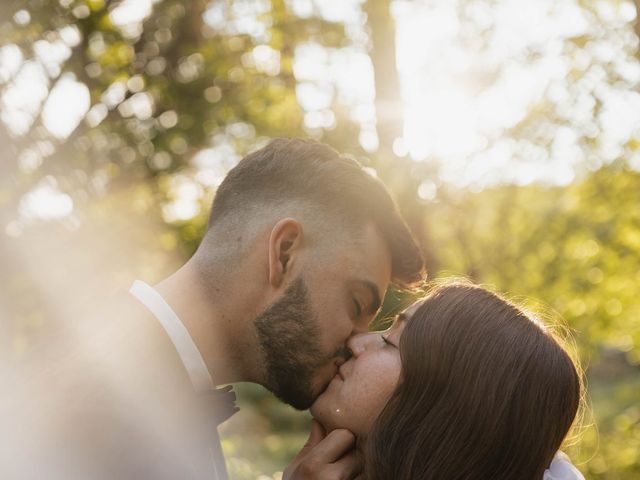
399 173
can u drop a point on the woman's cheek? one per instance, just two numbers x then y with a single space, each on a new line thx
356 403
355 412
367 403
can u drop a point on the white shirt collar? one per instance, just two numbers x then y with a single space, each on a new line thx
182 341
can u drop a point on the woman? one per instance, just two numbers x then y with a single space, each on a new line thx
464 385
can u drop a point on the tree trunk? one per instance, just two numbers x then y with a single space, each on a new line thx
383 56
396 172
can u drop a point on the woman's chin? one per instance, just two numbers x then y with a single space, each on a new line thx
331 418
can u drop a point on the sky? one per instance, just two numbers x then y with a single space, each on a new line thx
458 99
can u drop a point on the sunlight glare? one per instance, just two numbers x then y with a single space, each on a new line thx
66 106
325 75
11 59
22 100
450 122
131 11
213 164
186 195
52 55
46 202
460 99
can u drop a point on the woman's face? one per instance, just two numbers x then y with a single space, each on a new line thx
358 393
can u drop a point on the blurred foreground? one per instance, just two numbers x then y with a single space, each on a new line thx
508 131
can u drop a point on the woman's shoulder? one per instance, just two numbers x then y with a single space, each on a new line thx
561 468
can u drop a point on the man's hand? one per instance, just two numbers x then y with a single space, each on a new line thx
325 457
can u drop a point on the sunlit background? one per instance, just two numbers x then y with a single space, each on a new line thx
508 130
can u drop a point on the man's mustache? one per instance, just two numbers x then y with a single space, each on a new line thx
343 352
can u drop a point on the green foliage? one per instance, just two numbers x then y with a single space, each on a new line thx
575 249
264 436
204 83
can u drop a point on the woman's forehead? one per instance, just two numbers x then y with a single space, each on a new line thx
408 312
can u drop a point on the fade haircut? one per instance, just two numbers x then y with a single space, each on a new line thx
312 178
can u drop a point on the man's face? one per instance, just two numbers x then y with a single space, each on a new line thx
303 334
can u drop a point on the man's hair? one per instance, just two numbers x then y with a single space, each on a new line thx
323 184
486 391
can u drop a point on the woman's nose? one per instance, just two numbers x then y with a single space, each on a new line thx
362 342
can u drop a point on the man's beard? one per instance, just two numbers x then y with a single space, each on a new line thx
289 336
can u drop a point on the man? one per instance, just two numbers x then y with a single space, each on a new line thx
300 248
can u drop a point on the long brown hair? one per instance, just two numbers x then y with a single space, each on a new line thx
485 393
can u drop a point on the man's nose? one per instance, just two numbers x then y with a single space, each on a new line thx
360 327
343 354
361 342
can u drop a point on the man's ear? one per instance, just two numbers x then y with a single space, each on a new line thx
284 242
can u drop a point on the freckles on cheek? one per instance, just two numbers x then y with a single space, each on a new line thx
376 393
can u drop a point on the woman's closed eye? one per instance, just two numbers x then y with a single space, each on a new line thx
387 342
